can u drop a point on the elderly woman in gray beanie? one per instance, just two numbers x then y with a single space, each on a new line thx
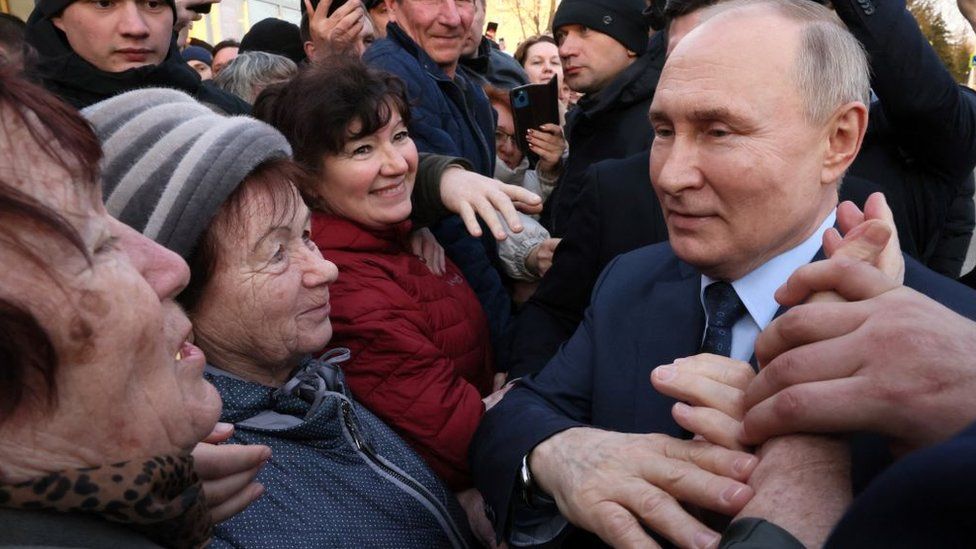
220 191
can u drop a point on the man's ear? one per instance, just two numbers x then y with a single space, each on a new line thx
58 23
391 8
845 133
309 47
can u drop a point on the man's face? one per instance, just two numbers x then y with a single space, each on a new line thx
380 14
591 59
117 35
735 163
473 37
222 57
437 26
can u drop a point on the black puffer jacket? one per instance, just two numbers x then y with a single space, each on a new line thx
613 124
79 83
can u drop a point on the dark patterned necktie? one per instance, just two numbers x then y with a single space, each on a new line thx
724 309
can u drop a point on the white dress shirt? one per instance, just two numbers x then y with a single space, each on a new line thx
756 290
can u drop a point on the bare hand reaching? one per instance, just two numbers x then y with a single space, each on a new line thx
228 471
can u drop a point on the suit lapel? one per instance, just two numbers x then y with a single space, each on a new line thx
672 325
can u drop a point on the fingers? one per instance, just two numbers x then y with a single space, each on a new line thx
891 262
710 424
499 380
686 478
471 222
553 129
491 218
616 526
831 406
227 472
348 27
806 363
312 13
524 200
503 205
220 433
853 280
866 241
237 503
222 489
545 254
706 380
848 216
213 461
734 466
439 259
424 245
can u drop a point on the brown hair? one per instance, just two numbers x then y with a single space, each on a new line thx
278 180
522 51
63 135
316 109
497 95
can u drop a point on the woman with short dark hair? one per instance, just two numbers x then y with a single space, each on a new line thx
420 352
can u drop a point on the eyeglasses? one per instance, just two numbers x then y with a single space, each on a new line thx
502 138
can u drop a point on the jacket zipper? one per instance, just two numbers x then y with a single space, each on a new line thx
399 477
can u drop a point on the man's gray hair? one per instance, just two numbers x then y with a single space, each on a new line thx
831 68
250 72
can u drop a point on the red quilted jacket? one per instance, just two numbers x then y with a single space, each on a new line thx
420 350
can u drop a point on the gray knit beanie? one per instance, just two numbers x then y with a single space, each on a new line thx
170 162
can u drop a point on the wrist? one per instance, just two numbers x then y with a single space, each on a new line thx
532 261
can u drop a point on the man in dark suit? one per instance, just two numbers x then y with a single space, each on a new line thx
745 164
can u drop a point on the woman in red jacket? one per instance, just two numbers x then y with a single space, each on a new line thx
420 350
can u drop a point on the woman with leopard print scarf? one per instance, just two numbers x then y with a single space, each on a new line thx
102 396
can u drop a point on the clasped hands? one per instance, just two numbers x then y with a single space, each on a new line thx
616 484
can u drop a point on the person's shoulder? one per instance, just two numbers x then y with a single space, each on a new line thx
382 48
637 269
948 292
389 55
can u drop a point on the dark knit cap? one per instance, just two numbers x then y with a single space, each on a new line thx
622 20
50 8
196 53
275 36
170 163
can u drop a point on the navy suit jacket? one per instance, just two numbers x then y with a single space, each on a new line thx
645 312
924 500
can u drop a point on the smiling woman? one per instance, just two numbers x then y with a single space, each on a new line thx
260 301
419 341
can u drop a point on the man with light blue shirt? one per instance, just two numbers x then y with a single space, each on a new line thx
757 115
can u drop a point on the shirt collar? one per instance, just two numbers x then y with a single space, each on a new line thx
756 289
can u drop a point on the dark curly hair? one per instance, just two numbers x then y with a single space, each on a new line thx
316 110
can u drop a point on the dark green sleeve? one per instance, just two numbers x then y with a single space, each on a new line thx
755 533
426 197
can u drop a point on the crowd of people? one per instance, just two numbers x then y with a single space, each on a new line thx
318 287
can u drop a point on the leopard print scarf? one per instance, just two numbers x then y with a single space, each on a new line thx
161 498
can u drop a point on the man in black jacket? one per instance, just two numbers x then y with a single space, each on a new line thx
88 53
604 48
